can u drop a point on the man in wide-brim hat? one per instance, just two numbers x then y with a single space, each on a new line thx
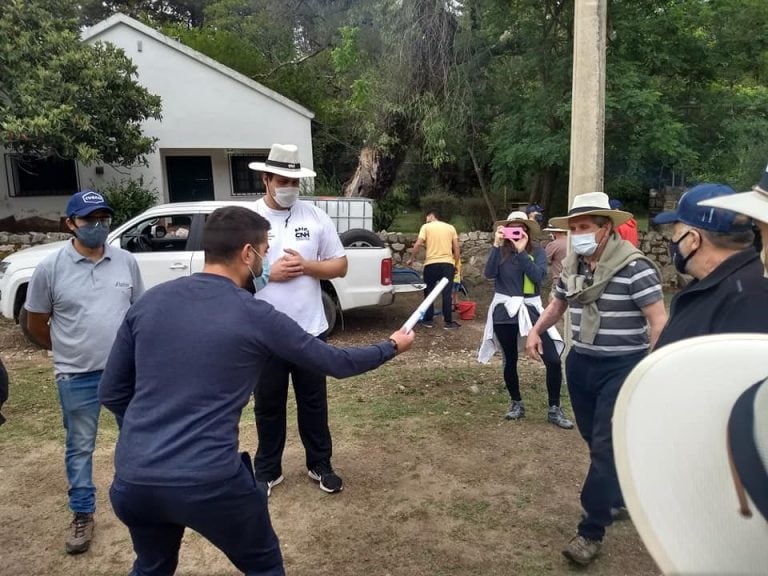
614 294
304 248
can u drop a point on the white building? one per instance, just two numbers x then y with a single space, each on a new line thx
214 122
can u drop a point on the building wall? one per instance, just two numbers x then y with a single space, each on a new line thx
204 111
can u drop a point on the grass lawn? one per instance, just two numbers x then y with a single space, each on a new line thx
410 221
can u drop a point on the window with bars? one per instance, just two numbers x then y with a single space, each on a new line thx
41 176
246 182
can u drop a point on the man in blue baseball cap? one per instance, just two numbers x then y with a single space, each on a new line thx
76 300
728 293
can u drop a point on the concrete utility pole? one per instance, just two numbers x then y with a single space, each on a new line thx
588 99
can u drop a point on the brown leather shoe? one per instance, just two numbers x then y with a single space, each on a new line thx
80 533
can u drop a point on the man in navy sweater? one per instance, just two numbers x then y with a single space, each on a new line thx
715 246
183 366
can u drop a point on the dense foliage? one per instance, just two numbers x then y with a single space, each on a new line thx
473 96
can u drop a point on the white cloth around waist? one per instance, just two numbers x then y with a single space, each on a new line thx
516 306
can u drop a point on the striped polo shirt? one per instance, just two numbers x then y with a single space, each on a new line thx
623 328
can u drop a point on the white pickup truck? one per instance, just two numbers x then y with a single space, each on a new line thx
166 242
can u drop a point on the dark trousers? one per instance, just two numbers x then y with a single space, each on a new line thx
433 273
270 399
231 514
507 334
594 383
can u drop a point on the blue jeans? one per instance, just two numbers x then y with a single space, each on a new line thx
232 514
78 394
594 383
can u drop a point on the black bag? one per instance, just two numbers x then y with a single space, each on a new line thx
3 389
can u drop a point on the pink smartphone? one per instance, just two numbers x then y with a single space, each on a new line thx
513 233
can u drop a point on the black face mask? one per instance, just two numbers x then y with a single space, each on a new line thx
678 260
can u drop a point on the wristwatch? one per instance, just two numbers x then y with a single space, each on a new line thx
394 344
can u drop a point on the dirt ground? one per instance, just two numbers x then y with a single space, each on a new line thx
436 482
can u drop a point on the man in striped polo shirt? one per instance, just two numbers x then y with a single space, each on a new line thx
614 295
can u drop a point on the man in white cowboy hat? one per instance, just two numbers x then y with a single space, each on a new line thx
304 249
614 295
715 246
753 204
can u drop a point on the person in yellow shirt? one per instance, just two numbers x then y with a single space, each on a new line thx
442 247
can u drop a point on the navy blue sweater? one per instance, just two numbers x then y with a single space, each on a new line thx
183 366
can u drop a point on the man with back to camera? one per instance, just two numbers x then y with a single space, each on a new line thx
715 246
305 250
443 255
84 289
614 294
176 462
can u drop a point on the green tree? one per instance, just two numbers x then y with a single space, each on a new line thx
61 97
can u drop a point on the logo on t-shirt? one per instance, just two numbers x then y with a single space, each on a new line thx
302 233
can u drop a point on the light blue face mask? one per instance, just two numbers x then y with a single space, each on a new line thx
259 282
584 244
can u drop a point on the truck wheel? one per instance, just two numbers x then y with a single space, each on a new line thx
361 238
23 324
331 311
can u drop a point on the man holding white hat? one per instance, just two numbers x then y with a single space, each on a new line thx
715 246
304 249
753 204
614 295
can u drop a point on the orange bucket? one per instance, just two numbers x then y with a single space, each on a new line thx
466 309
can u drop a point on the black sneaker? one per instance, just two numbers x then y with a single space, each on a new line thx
80 533
452 325
329 481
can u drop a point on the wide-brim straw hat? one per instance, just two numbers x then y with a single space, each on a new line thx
283 160
519 217
753 203
591 204
675 445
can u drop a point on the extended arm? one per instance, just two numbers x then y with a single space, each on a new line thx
118 382
326 269
656 315
37 324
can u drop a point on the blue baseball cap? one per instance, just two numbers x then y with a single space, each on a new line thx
86 201
615 204
533 208
707 218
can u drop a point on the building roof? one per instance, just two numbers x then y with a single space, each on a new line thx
93 33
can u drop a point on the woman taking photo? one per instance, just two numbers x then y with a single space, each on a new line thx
517 267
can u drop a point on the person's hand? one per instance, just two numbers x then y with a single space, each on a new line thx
409 262
521 244
498 238
533 346
286 268
404 341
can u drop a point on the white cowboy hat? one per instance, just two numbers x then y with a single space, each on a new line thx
283 160
519 217
591 204
753 203
684 416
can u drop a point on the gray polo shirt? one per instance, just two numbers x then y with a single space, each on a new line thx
87 302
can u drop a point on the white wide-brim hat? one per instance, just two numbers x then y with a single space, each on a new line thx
591 204
679 415
283 160
519 217
753 203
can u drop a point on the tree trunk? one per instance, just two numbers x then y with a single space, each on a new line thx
483 190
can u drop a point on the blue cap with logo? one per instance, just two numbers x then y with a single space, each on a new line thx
712 219
86 201
533 208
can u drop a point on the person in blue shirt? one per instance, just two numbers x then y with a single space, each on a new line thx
518 267
183 366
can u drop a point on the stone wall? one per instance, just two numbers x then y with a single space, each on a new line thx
475 247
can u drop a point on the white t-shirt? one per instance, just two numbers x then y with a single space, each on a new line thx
310 231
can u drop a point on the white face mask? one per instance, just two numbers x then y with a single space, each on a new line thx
584 244
286 197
